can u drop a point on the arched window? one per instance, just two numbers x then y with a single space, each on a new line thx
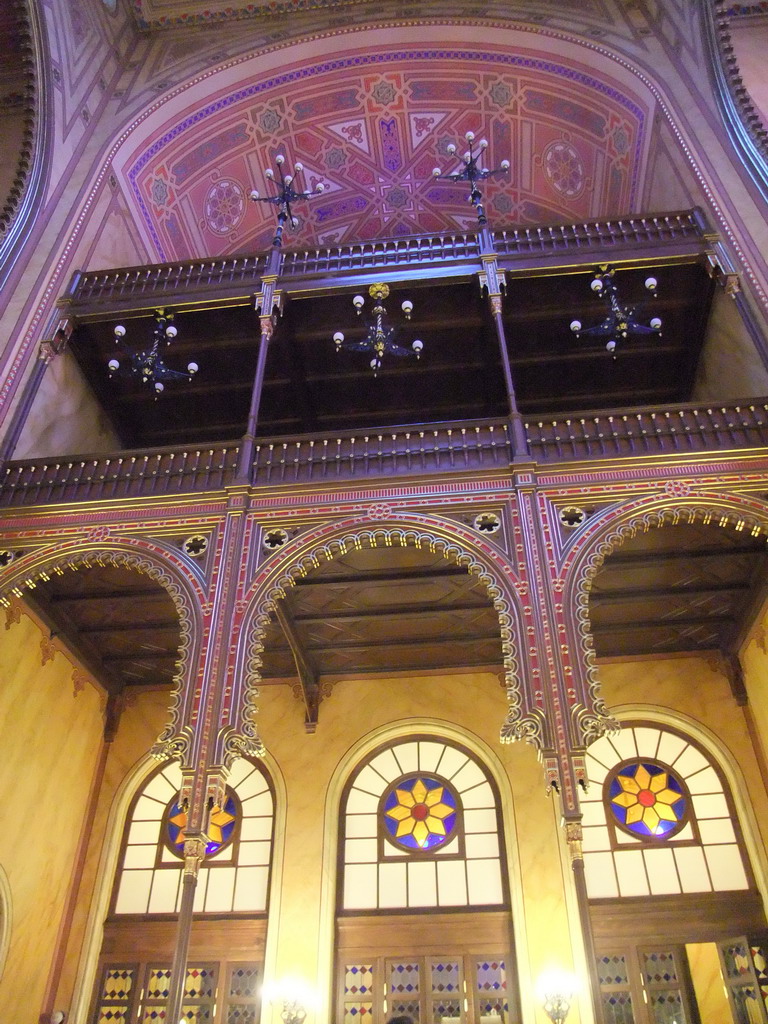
423 919
225 965
658 819
667 875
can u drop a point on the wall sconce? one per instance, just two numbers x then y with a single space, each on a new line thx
556 990
291 996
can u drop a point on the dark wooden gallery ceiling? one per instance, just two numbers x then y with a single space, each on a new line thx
677 589
309 388
682 589
379 609
123 626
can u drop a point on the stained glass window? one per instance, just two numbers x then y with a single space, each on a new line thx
221 826
647 799
419 812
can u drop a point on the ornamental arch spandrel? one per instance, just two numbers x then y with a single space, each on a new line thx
505 588
608 530
164 568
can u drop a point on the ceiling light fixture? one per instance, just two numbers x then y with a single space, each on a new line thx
620 320
379 338
285 195
472 172
148 363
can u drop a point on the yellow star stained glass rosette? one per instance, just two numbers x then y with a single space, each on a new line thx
652 803
220 826
420 814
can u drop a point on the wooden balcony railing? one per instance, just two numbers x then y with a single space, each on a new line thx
657 431
388 453
95 294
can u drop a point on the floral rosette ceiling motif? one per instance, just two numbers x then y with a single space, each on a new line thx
370 126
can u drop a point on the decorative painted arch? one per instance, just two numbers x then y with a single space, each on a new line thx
370 120
608 531
140 555
505 590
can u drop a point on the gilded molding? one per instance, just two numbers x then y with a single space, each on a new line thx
618 525
521 722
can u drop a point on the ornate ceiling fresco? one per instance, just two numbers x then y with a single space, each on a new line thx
162 14
370 125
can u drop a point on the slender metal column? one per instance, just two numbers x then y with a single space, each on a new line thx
574 835
194 854
245 456
492 279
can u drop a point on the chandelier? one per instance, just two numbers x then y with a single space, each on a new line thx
148 363
620 320
286 194
379 338
472 172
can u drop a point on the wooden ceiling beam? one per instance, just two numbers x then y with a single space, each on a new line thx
383 576
61 627
382 613
156 593
628 595
675 625
306 671
649 556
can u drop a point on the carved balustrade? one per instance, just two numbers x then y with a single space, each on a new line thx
391 452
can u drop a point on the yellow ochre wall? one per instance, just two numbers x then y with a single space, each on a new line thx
50 739
754 660
309 773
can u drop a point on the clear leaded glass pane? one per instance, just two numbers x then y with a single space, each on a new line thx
617 1008
404 990
355 1013
612 970
153 1015
243 982
404 979
118 983
241 1015
760 964
445 976
659 968
737 960
667 1007
358 979
444 1010
113 1014
446 991
491 982
200 983
195 1014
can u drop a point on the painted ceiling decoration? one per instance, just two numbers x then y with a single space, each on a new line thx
371 125
162 14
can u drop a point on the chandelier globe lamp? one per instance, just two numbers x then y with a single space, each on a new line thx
380 337
472 170
285 194
148 363
620 320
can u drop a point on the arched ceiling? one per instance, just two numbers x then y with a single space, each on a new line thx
369 115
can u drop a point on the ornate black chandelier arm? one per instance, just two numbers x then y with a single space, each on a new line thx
621 321
473 172
379 336
285 195
148 363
